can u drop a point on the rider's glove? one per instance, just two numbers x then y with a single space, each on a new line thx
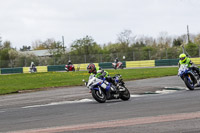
101 76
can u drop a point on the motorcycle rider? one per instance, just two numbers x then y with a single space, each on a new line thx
116 61
69 63
183 59
100 73
32 67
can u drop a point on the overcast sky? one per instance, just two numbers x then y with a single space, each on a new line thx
25 21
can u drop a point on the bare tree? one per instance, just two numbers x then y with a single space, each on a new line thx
197 39
125 37
164 41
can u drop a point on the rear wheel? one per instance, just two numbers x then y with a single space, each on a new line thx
125 95
189 83
101 98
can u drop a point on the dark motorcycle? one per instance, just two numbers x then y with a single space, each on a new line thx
190 78
32 69
97 85
117 65
69 68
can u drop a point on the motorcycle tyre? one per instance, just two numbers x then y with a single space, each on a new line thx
189 86
125 95
95 94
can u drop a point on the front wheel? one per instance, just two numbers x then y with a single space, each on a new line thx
101 98
189 84
125 95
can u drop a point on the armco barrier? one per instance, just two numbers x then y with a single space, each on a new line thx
83 66
62 67
107 65
56 68
11 70
25 69
146 63
166 62
39 69
196 61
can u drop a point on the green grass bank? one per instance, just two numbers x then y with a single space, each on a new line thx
18 82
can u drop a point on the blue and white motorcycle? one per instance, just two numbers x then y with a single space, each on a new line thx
191 78
102 90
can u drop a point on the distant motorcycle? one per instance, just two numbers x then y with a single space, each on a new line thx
32 69
101 95
117 65
190 78
69 68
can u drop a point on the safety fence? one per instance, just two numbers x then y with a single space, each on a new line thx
104 65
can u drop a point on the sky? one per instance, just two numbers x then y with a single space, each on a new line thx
23 22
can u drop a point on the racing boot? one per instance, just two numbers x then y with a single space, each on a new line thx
108 90
108 94
113 88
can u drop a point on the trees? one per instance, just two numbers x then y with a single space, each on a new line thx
12 56
85 50
192 49
0 42
177 42
4 55
25 48
125 39
4 58
48 44
164 40
85 46
197 39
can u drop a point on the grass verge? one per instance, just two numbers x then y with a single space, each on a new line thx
32 81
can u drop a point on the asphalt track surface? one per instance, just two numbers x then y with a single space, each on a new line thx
62 110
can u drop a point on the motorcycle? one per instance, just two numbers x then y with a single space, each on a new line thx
102 90
117 65
190 78
32 69
69 68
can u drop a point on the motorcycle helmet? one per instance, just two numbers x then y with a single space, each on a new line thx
91 68
182 57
